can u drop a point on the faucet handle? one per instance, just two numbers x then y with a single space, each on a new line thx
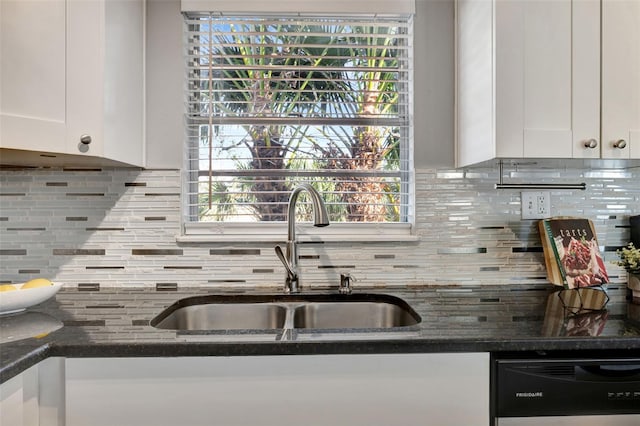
345 284
284 261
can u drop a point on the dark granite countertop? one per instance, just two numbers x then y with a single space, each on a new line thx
114 322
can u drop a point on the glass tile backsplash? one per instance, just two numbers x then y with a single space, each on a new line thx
118 227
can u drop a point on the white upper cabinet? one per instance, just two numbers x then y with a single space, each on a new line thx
72 81
529 81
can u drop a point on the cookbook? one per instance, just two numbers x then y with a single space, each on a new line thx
571 252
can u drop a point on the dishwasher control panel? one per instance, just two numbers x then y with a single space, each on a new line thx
560 387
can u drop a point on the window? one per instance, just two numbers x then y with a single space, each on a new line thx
273 102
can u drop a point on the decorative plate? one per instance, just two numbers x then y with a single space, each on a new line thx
19 300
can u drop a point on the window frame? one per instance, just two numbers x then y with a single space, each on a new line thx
276 231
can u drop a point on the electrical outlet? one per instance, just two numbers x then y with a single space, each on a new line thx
536 205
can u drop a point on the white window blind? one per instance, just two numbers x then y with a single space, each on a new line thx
274 102
306 7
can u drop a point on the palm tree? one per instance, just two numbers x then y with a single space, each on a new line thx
375 94
366 194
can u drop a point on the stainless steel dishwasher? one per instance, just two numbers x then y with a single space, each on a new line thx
564 390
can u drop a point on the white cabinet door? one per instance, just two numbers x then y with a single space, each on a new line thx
621 78
539 58
350 390
35 397
33 114
72 72
585 64
558 61
18 399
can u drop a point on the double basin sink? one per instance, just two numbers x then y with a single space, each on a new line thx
308 311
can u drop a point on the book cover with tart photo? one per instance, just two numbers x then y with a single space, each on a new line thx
571 252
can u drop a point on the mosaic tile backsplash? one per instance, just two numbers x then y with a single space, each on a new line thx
118 227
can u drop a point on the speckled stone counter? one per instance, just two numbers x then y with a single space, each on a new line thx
114 322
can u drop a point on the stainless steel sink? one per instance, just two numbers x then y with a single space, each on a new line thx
302 311
221 316
328 315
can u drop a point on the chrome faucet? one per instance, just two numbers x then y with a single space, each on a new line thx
320 218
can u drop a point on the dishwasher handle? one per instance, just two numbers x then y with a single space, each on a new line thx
609 372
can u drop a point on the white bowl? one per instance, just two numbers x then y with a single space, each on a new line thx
19 300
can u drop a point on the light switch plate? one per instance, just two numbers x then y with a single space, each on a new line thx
536 204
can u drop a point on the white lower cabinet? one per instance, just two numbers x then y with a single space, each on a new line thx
376 389
17 399
34 397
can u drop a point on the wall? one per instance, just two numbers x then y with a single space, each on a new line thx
118 227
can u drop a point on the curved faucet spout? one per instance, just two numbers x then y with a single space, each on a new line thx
320 218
